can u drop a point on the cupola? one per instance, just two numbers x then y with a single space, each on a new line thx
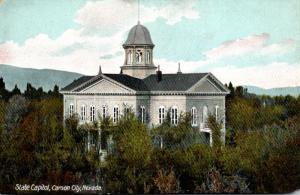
138 53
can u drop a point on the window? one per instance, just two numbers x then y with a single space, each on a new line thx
116 114
148 57
216 112
92 113
161 114
143 114
138 56
194 116
83 112
104 112
174 116
126 111
71 109
205 116
129 57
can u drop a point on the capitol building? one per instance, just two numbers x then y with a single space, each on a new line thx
146 90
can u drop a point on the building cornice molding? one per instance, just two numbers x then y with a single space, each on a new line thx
152 93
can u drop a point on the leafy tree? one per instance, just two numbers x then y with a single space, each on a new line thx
174 136
15 110
166 182
128 167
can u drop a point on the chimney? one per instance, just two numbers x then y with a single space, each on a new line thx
159 74
100 70
179 69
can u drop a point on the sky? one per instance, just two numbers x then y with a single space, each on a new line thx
246 42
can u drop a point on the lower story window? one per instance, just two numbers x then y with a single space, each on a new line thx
71 109
174 116
143 114
92 113
116 114
104 112
194 116
161 115
83 112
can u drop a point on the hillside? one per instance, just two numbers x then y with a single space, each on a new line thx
294 91
37 77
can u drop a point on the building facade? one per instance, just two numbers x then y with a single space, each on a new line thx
143 88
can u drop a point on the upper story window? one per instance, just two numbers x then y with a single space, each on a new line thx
71 109
139 56
216 112
129 57
104 112
174 116
194 115
83 112
143 114
161 114
116 114
92 113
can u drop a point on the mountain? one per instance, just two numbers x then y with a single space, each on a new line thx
293 91
45 78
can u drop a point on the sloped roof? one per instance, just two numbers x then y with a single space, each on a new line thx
173 82
128 81
76 83
169 82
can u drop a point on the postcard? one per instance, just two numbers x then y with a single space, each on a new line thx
160 96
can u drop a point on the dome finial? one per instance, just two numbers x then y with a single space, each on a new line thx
138 11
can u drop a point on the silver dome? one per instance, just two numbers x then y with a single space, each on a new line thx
138 35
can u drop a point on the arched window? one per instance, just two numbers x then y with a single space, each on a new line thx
174 116
194 116
83 112
92 113
143 114
116 114
104 111
161 114
205 116
71 109
139 56
129 57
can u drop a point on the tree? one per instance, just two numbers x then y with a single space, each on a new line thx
15 110
166 182
15 91
4 94
129 165
232 93
174 136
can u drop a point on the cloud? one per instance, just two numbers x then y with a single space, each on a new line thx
238 47
276 74
83 49
279 48
114 15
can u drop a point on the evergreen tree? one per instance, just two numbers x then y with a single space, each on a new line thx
4 94
15 91
30 92
231 88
